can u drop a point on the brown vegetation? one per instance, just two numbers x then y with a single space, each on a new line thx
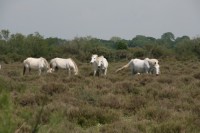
116 103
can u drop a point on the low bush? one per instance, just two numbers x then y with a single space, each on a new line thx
169 127
90 116
197 75
53 88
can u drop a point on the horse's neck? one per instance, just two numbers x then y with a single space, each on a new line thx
45 62
95 64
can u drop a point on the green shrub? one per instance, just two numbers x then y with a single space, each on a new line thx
89 116
7 123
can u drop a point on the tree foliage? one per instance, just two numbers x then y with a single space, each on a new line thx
17 47
121 45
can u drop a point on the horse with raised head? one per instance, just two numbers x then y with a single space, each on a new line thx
99 64
140 66
36 64
68 64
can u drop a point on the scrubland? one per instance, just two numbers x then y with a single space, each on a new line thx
117 103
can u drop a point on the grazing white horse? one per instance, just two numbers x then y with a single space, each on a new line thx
35 63
154 66
99 63
140 66
68 64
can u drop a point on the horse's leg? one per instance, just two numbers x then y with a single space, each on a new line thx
132 71
24 70
40 71
56 68
105 71
99 72
151 71
95 71
69 72
29 70
146 70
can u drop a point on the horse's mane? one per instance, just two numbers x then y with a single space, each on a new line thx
76 68
45 61
101 56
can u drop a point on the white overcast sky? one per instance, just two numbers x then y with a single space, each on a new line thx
101 18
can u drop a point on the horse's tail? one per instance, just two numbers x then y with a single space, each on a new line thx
125 66
24 69
75 67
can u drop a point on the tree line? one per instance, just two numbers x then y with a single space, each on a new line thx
17 47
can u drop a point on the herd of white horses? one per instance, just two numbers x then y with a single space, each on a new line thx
100 64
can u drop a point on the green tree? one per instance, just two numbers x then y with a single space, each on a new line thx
181 39
16 43
141 41
185 49
196 43
168 36
121 45
115 39
168 39
5 34
36 46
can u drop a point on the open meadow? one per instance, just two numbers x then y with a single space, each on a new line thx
117 103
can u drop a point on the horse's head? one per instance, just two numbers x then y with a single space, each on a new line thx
157 69
75 73
93 58
100 62
45 64
50 70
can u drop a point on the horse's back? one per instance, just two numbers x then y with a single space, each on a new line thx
152 62
138 62
61 62
64 64
28 61
140 65
35 63
105 62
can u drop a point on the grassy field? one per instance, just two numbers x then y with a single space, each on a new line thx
117 103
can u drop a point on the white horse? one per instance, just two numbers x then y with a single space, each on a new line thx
68 64
154 66
35 63
140 66
99 63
